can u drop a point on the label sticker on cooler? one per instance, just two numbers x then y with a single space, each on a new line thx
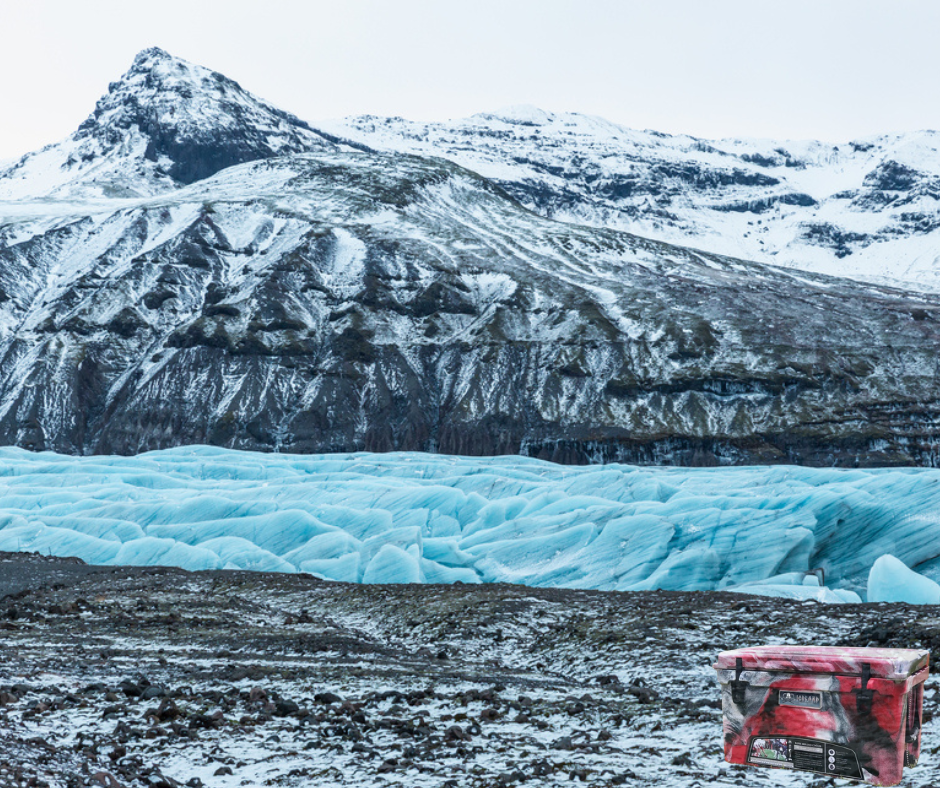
808 755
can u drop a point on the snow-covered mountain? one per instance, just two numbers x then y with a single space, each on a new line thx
868 209
219 272
165 123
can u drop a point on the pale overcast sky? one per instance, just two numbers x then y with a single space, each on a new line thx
825 69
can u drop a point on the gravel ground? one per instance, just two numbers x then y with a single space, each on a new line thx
160 677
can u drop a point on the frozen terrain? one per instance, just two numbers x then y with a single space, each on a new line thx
416 518
159 678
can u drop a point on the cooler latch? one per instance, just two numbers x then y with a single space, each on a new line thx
737 686
863 696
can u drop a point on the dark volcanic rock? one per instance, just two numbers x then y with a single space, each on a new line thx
567 658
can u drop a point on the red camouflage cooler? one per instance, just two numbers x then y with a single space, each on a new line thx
846 712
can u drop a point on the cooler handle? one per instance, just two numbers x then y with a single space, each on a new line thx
863 696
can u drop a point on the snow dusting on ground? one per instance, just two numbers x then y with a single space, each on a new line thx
158 677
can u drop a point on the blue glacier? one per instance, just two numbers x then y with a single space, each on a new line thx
891 581
421 518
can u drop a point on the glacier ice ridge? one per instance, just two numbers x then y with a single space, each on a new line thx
422 518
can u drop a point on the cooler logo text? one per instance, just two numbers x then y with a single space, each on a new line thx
812 700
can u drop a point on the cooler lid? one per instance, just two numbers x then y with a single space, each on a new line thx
885 663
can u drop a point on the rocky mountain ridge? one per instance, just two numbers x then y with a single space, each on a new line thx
312 296
868 209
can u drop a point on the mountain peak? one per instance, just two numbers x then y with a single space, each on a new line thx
164 123
159 80
146 57
154 70
195 121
